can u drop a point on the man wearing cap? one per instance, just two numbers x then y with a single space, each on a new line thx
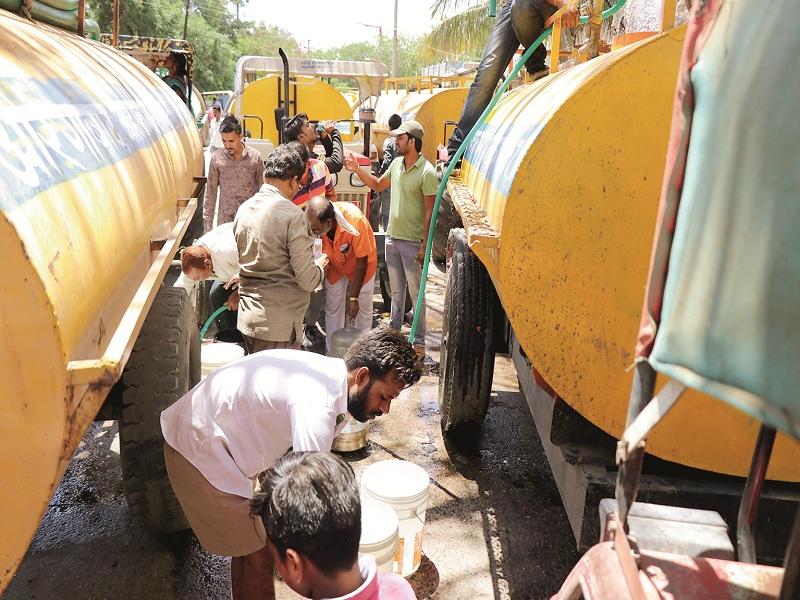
413 183
211 124
349 243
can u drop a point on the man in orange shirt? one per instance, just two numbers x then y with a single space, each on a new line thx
349 243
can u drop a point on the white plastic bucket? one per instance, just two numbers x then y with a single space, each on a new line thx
404 486
213 355
379 533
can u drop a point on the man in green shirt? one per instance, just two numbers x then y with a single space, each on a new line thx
413 185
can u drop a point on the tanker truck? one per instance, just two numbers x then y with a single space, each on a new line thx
96 193
558 193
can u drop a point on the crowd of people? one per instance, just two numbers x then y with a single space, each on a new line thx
271 294
247 449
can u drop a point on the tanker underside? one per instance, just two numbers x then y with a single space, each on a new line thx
581 457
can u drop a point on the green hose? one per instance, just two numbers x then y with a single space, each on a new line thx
213 316
460 152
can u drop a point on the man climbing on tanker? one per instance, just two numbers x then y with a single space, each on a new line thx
413 182
519 22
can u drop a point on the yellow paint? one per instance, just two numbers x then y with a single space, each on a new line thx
668 14
626 39
555 46
431 110
576 228
425 82
74 253
315 97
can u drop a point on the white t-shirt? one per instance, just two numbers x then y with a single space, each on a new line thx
244 416
221 243
214 136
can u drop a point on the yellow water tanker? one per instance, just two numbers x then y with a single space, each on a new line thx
431 108
98 160
320 100
559 192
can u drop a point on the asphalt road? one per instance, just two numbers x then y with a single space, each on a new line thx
495 527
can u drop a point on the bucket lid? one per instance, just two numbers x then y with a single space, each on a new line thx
378 522
395 479
220 353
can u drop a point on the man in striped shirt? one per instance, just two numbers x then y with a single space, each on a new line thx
317 180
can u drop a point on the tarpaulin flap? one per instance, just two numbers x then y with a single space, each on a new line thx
730 318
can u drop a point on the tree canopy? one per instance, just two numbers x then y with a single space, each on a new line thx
408 55
219 37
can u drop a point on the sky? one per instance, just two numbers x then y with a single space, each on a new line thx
331 23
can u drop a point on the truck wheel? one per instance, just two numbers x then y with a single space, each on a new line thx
467 355
164 365
448 218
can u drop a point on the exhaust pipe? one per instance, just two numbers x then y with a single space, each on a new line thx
282 112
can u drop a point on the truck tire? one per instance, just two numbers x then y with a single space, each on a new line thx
163 366
447 219
467 354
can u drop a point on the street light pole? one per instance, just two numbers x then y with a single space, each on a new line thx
394 43
378 27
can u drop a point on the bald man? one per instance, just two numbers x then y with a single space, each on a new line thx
349 243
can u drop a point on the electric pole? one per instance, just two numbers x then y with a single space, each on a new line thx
394 43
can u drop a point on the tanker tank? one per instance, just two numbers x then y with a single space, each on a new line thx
559 192
99 163
432 108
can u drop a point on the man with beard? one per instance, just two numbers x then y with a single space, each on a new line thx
244 416
236 172
413 182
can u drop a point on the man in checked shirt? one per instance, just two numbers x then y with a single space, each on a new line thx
237 171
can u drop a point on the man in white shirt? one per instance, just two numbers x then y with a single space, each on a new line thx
244 416
214 256
211 123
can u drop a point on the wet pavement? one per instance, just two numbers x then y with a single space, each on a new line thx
494 528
